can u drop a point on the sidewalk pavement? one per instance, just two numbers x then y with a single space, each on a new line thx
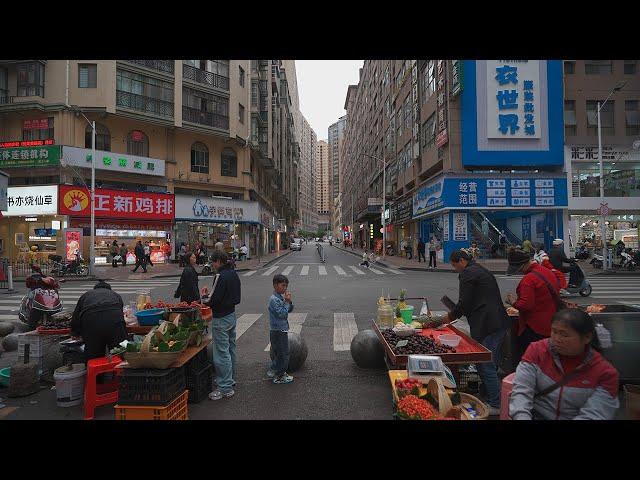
168 270
494 265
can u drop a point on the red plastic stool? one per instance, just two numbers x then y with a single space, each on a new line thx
94 398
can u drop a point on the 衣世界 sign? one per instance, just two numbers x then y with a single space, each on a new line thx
116 204
39 156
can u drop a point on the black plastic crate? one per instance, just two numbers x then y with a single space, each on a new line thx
200 384
197 363
469 382
150 386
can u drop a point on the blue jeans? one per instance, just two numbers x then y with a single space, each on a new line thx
489 371
224 351
280 344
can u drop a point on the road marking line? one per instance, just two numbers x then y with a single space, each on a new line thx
339 269
287 270
270 271
8 316
377 272
248 274
395 272
344 329
357 270
244 323
305 270
322 269
295 325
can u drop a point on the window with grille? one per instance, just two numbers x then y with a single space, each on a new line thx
31 80
199 158
569 117
429 132
569 67
138 143
241 75
598 67
103 137
87 75
254 93
630 67
142 85
632 117
606 118
229 163
429 80
39 134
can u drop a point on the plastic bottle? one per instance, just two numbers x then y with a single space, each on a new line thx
424 310
385 315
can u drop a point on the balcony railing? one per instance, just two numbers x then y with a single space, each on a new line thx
4 97
205 78
210 119
167 66
141 103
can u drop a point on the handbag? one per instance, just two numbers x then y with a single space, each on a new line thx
560 303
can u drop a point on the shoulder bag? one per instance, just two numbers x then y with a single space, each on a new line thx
563 381
560 303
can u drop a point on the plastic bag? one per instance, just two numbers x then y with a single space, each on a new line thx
424 310
604 336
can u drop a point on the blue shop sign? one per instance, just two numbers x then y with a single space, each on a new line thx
477 193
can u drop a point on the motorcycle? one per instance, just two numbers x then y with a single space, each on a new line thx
41 301
597 261
390 251
75 267
582 254
628 262
583 287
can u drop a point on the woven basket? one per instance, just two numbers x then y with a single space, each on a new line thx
150 359
481 408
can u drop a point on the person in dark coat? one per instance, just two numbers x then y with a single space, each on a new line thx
114 250
123 253
188 290
557 257
140 257
480 301
421 250
99 320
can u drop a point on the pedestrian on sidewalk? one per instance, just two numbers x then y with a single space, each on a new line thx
480 301
365 260
181 254
474 251
219 245
421 250
280 306
434 246
123 253
188 290
244 252
225 295
408 247
140 259
113 250
147 253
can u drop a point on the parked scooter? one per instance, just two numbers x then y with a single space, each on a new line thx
41 301
74 267
628 261
597 261
390 250
582 253
583 287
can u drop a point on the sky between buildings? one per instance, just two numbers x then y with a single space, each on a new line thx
322 90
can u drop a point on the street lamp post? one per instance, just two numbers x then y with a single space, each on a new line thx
384 202
603 226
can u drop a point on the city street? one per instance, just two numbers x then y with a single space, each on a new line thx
332 302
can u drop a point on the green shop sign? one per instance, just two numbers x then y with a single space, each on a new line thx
44 156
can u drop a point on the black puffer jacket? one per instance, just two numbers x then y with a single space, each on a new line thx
557 257
227 293
188 290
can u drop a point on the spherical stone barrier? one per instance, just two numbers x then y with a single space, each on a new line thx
367 351
6 328
52 360
20 327
298 352
10 343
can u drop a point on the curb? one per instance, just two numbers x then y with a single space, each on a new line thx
237 269
383 265
271 261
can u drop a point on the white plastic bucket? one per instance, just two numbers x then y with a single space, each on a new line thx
70 384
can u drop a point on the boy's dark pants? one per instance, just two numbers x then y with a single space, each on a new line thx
280 345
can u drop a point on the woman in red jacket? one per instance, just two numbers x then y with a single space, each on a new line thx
562 280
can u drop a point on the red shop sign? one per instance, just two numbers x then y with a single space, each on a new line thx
137 136
116 204
37 124
27 143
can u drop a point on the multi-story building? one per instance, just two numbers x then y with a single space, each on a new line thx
587 82
471 148
172 138
308 210
323 185
335 139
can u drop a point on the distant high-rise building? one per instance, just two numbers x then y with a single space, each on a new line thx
308 210
323 179
336 138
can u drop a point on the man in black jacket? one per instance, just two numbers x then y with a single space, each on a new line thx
480 301
557 257
225 295
99 320
140 257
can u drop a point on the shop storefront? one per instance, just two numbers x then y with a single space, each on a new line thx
401 226
123 216
31 220
209 220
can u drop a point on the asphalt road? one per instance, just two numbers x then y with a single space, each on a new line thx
332 302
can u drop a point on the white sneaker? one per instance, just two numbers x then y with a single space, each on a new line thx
271 373
217 395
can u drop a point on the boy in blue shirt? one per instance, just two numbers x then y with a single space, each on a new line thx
279 307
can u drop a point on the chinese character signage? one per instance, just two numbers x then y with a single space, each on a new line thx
37 124
115 162
117 204
219 210
32 201
441 111
72 242
4 191
459 227
512 113
27 143
428 199
40 156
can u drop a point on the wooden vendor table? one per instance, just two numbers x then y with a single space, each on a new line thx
138 330
184 357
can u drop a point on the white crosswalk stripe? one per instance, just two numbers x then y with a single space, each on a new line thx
339 269
249 273
305 270
392 270
244 323
377 272
344 329
270 271
287 270
296 320
322 270
357 270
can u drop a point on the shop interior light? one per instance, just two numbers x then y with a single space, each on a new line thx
31 219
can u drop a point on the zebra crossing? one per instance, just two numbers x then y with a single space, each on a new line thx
323 271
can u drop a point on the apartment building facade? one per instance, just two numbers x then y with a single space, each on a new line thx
176 156
323 185
335 140
308 210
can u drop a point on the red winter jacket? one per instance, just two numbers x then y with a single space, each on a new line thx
535 303
559 275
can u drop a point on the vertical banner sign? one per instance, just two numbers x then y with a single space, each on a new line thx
460 227
456 77
441 83
445 227
415 110
72 242
526 228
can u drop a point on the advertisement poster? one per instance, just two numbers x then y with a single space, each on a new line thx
72 242
445 228
460 227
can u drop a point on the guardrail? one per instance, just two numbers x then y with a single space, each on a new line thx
320 249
